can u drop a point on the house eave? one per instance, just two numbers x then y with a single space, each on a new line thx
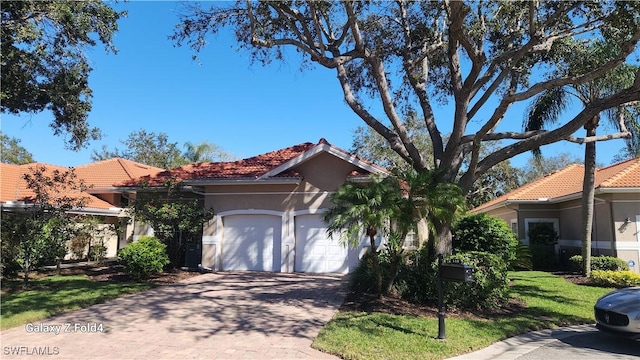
115 211
104 189
618 190
506 203
245 181
24 206
359 179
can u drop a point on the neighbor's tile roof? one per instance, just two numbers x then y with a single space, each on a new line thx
250 168
105 173
568 181
110 172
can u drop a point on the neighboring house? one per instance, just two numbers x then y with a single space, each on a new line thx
102 200
556 199
269 208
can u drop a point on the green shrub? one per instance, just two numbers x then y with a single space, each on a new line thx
544 257
598 263
490 288
542 234
363 278
481 232
418 281
144 257
417 278
615 278
523 259
78 245
97 252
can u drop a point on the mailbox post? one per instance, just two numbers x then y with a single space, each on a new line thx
449 272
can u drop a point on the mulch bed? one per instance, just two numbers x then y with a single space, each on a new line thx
392 305
108 272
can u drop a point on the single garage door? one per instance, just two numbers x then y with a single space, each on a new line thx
251 242
315 251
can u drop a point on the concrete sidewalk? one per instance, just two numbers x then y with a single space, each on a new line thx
242 315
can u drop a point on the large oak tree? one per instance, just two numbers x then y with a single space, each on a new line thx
44 66
480 58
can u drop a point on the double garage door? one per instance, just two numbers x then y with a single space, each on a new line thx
254 242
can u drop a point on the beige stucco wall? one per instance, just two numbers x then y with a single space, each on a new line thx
321 176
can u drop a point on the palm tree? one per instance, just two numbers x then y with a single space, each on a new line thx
364 208
205 151
549 105
432 200
391 206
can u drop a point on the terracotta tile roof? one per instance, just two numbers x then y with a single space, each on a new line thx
250 168
109 172
100 174
568 181
622 175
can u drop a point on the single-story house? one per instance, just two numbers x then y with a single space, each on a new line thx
556 199
102 200
269 208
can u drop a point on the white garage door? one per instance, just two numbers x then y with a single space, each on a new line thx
315 251
250 242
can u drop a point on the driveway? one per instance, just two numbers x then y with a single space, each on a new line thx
235 315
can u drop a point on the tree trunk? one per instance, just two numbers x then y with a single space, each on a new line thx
376 264
588 191
443 235
394 268
26 267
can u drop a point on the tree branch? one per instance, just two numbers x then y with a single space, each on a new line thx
590 139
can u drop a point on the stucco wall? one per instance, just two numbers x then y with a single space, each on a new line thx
321 176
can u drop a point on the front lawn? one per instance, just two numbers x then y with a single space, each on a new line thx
53 295
550 301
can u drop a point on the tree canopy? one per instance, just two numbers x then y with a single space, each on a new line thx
11 152
44 66
479 59
147 148
155 149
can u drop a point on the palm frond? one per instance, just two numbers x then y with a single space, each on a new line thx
546 109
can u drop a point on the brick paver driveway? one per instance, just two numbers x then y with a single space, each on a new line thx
240 315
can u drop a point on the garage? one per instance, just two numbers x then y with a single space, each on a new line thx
251 242
315 251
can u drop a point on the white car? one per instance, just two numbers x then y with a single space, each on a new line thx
618 312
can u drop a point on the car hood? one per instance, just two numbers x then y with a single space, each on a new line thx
623 300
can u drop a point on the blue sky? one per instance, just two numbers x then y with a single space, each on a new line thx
245 109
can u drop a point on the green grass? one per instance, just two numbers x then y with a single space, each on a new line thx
57 294
551 301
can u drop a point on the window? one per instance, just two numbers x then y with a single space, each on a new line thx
514 226
532 223
411 241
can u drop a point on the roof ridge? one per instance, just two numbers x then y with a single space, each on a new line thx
124 167
26 166
635 163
